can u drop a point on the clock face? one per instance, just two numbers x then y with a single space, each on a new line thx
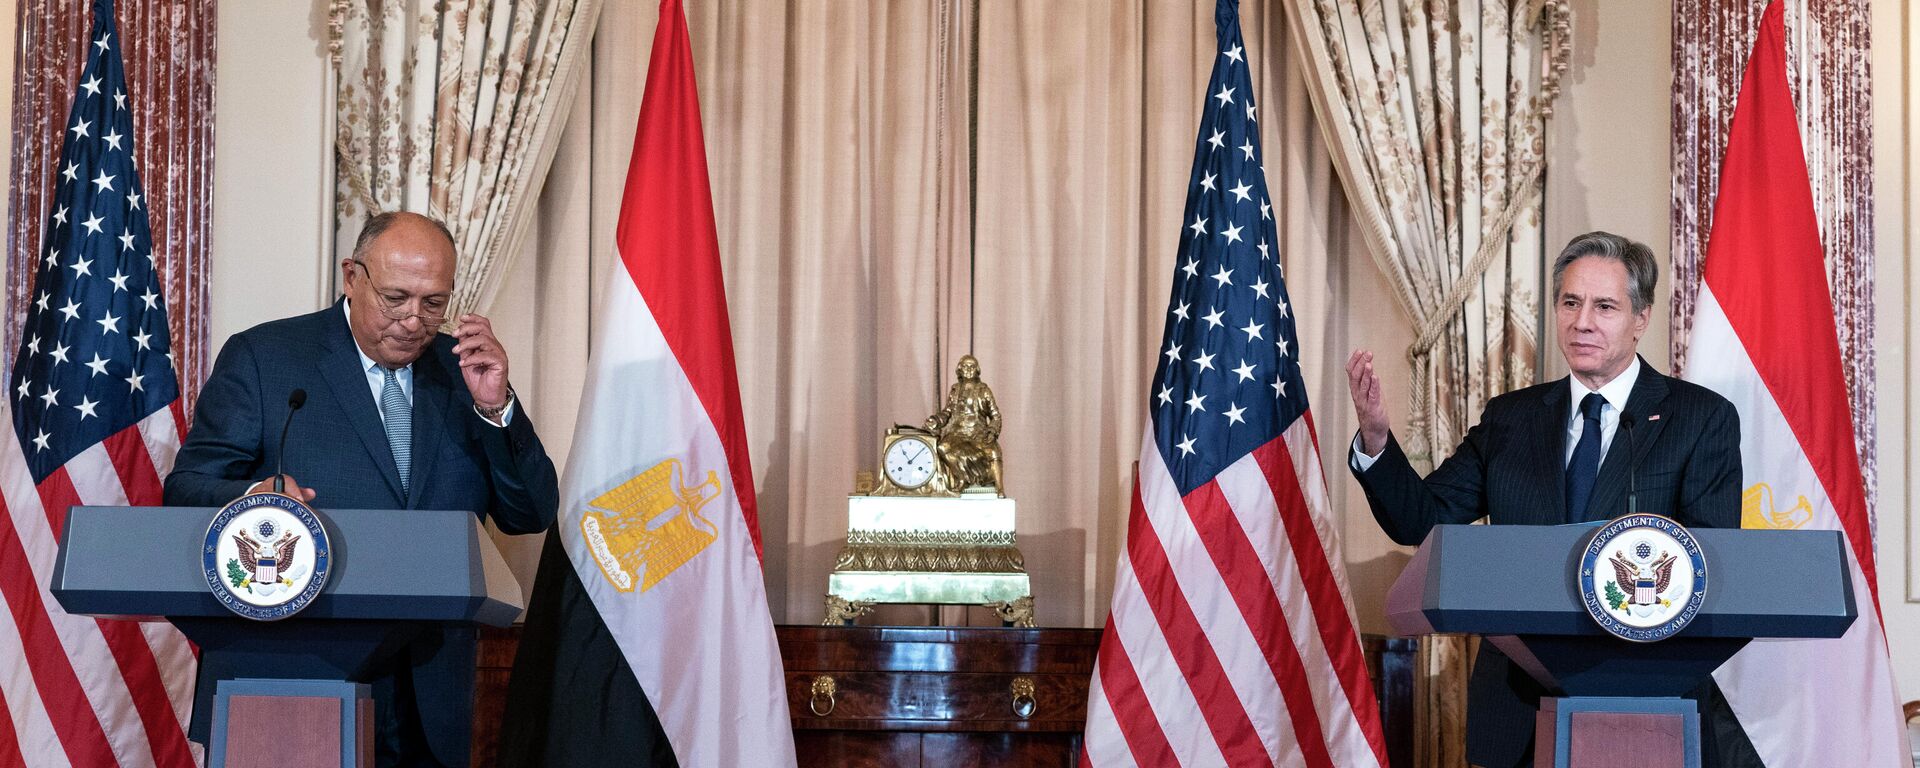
909 462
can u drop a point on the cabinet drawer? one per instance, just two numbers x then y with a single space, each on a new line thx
937 701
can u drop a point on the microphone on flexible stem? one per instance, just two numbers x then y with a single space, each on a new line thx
1633 492
294 400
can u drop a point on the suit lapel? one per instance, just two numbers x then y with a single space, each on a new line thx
1552 464
1609 497
348 381
431 390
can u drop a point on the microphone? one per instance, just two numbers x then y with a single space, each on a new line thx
294 400
1633 491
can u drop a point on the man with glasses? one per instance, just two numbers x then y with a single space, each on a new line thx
399 416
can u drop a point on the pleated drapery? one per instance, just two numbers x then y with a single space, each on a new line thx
840 188
1437 113
451 108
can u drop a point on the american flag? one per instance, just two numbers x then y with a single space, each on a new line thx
94 406
1230 641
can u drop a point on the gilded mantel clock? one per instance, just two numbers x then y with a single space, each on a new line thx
937 528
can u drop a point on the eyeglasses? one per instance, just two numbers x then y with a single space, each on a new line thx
395 309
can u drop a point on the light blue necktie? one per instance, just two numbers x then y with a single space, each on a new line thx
399 418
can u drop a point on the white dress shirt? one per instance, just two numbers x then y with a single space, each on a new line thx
1614 392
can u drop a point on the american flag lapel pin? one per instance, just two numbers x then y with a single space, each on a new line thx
1655 417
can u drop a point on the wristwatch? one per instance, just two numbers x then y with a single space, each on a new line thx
493 414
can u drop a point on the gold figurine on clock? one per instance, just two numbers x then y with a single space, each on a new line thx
958 449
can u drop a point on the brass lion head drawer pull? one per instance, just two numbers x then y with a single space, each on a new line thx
823 689
1024 705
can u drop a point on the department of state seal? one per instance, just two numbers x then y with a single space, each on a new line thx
266 556
1642 577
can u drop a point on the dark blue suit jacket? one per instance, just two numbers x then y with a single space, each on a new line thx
339 449
1511 469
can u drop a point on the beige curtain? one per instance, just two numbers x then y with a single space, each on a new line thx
1437 115
451 108
840 186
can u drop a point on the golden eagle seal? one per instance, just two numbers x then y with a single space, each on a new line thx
266 562
649 526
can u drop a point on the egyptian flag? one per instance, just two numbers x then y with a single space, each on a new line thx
650 587
1763 336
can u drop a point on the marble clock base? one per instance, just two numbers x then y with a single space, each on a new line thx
930 551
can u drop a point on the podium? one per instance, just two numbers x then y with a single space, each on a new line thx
289 692
1514 585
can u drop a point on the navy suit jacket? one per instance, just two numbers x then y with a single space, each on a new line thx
339 449
1511 469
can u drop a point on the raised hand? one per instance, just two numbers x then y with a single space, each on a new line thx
1368 404
483 362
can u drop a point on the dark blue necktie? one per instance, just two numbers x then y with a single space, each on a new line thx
1585 465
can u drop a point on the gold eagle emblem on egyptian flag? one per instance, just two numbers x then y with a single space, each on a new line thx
647 527
1757 510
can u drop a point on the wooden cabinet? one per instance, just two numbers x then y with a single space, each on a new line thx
934 696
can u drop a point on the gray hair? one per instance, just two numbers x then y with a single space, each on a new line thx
1643 273
380 222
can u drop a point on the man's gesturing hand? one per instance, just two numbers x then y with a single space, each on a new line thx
483 362
1368 405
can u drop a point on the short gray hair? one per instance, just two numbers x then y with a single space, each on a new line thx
1643 273
380 222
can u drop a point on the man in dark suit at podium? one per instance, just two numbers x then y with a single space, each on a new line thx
1558 453
397 416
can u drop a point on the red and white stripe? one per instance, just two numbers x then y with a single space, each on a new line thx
1764 337
1231 641
1801 702
81 691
